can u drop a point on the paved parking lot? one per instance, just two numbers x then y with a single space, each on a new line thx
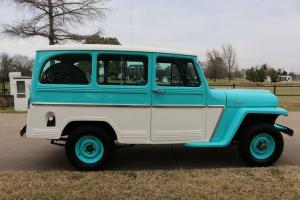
18 153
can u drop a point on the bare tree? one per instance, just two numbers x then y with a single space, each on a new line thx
5 64
53 19
215 66
22 64
16 63
229 57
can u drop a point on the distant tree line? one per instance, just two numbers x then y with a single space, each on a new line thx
16 63
260 74
223 64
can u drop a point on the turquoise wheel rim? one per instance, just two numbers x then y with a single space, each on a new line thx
262 146
89 149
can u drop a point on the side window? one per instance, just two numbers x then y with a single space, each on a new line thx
67 69
122 70
176 72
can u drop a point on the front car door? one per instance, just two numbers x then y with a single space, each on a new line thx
178 100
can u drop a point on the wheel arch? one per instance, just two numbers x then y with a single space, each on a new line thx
254 118
103 124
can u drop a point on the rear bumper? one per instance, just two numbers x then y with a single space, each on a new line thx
284 129
23 130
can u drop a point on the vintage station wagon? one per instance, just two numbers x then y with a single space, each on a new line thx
91 98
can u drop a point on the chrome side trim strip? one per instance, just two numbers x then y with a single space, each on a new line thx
216 106
126 105
89 104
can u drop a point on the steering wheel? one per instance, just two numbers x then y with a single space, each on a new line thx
180 83
64 74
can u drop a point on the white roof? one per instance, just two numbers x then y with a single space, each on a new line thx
112 48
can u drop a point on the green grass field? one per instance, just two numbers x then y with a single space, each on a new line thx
233 183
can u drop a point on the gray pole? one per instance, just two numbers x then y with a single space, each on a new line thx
131 22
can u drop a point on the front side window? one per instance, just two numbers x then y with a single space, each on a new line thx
122 70
67 69
177 72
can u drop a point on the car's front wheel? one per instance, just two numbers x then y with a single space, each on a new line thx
261 145
89 148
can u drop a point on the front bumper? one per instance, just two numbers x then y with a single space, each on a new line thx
284 129
23 130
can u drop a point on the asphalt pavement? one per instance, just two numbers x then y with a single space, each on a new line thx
18 153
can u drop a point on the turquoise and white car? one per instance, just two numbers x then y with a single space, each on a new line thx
91 98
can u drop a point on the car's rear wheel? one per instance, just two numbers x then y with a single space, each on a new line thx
260 145
89 148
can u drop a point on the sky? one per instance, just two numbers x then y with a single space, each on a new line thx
261 31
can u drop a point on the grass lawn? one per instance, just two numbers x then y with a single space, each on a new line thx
244 81
233 183
290 103
10 110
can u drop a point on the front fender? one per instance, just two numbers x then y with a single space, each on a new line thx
230 123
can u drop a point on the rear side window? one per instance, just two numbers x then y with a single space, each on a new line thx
122 70
176 72
67 69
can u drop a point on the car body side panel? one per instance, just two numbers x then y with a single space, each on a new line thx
131 124
231 120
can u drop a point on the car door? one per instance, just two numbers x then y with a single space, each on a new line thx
122 79
178 100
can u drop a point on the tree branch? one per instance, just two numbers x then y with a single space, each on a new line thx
63 14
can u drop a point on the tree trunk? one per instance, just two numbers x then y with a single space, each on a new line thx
229 71
51 26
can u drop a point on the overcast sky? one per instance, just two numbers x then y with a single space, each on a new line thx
261 31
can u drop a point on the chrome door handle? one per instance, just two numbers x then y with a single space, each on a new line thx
158 91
